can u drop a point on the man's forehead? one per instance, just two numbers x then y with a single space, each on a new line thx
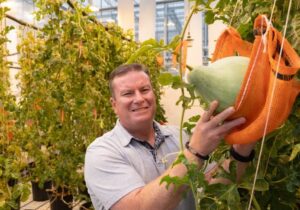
131 78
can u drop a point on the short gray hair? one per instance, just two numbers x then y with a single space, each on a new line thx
124 69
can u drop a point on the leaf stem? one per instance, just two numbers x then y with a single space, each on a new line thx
280 180
195 194
181 124
257 206
181 75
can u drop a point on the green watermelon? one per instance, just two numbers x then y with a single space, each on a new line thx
220 80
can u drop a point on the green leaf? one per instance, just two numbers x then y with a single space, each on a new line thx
151 42
141 51
209 17
261 185
188 127
177 82
194 118
80 101
232 197
295 151
225 195
176 180
174 42
180 159
147 46
165 79
231 175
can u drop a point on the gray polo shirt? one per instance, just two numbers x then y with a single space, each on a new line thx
115 165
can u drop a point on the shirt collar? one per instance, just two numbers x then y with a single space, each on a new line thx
125 137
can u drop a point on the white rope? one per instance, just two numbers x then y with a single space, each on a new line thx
270 107
273 8
234 11
249 77
263 40
264 35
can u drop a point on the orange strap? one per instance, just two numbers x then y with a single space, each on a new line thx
182 45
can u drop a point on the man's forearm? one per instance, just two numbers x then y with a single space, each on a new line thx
243 150
156 195
167 199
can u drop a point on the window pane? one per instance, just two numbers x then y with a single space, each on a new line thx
205 52
169 22
136 18
107 10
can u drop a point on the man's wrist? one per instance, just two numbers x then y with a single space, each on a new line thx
242 157
191 158
244 149
195 153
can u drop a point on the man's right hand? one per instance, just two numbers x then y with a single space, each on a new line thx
210 129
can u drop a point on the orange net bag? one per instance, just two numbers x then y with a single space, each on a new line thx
254 101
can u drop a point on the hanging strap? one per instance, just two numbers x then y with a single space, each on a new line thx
183 47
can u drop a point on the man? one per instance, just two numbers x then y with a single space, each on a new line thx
123 168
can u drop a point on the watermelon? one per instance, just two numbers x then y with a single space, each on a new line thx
220 80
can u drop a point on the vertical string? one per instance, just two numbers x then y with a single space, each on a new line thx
262 41
270 107
269 23
272 12
234 11
250 75
3 82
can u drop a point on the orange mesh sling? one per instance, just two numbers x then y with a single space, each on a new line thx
255 96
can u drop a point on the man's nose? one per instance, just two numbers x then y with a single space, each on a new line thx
138 96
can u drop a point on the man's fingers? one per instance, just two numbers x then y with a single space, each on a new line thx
207 115
229 125
218 119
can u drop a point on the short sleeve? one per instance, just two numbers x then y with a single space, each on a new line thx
108 176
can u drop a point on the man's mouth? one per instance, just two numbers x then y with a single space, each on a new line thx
138 109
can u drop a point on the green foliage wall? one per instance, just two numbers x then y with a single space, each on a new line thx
12 190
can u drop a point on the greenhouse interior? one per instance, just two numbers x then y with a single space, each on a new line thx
150 105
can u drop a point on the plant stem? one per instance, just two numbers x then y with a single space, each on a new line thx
181 123
184 105
195 194
280 180
256 203
181 75
184 102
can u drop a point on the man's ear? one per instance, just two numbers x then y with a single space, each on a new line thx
113 104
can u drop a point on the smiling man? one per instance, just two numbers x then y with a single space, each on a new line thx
133 101
123 168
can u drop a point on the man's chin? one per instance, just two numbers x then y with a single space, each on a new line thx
142 120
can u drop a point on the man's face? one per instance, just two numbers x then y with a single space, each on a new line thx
134 100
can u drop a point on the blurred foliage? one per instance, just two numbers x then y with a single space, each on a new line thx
12 187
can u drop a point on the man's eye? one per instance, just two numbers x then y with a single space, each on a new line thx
145 89
127 94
